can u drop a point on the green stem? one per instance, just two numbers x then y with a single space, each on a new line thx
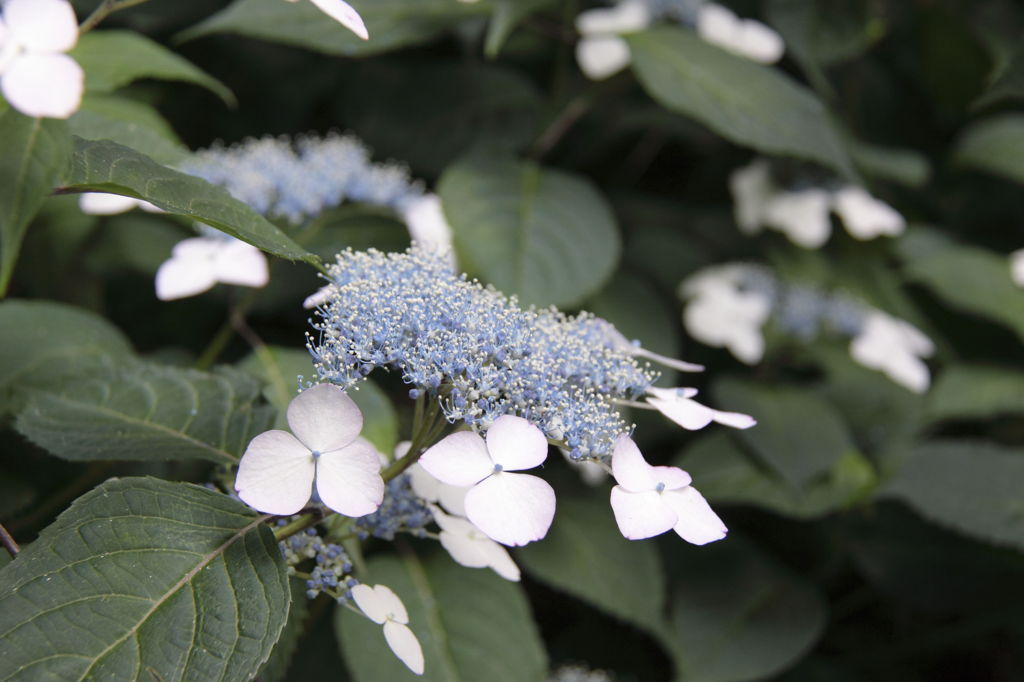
106 8
298 525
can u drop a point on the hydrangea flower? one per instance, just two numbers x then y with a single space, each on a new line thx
721 312
650 500
36 77
470 547
277 470
198 263
344 14
511 508
864 216
383 607
894 347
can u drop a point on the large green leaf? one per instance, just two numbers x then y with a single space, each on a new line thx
745 102
973 487
507 15
106 166
112 59
471 624
128 122
149 412
1007 83
639 311
390 23
993 145
142 579
35 154
738 615
586 556
976 392
544 235
276 667
797 434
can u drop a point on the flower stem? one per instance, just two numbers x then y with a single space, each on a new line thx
8 542
106 8
298 525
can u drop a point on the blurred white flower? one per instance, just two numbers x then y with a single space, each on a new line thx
678 405
894 347
382 606
344 14
802 215
198 263
427 225
721 314
752 188
470 547
650 500
36 77
1017 267
748 38
601 51
102 203
864 216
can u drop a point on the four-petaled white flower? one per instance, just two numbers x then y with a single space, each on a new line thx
649 500
748 38
197 264
470 547
343 13
601 51
36 77
276 473
513 509
678 405
721 314
383 607
894 347
1017 267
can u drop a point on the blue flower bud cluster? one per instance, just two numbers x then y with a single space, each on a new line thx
474 349
298 180
332 570
401 511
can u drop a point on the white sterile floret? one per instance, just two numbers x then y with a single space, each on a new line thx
894 347
1017 267
102 203
470 547
748 38
197 264
36 77
864 216
802 215
601 51
650 500
678 405
513 509
752 188
276 473
424 217
723 315
383 607
344 14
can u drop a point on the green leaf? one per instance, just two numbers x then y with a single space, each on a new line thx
797 434
745 102
896 164
109 167
128 122
144 579
640 312
724 474
147 412
974 280
585 555
35 155
547 236
972 487
976 392
15 495
507 15
390 23
276 667
827 31
1007 83
993 146
471 624
737 615
40 341
113 59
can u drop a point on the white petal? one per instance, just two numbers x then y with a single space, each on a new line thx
641 515
736 420
634 474
471 548
183 276
864 216
1017 267
760 43
319 297
344 14
44 84
747 345
602 56
687 413
41 25
324 418
102 203
679 365
275 475
452 498
243 264
697 524
516 444
803 215
460 459
196 248
624 17
370 603
751 188
405 645
427 224
513 509
717 24
348 480
672 393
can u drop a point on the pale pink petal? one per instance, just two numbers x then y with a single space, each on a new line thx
513 509
452 498
630 468
42 25
641 515
736 420
196 247
516 444
428 227
687 413
324 418
44 84
469 547
463 549
405 645
275 475
344 14
370 603
459 459
348 480
761 43
318 297
183 276
243 264
697 523
624 17
602 56
499 561
102 203
671 393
